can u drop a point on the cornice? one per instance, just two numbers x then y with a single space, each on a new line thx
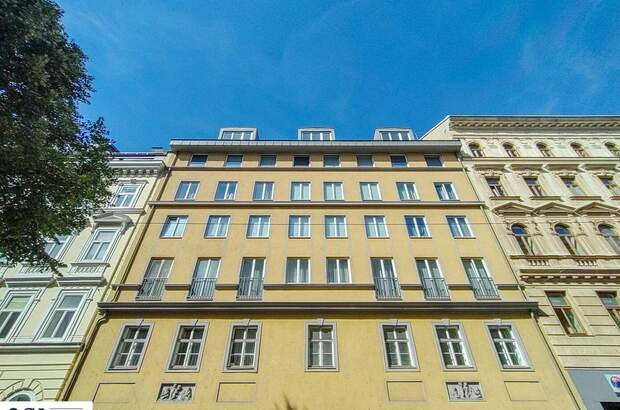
316 204
38 348
522 123
143 168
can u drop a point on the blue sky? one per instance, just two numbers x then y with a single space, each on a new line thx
166 69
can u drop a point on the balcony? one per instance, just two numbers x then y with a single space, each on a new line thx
202 289
484 288
151 289
435 288
567 264
250 289
387 288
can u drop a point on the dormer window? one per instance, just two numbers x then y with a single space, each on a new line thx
316 134
238 134
394 134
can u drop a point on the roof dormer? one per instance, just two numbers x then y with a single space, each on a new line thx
238 134
316 134
394 134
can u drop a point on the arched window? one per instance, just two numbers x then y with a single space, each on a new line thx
579 150
22 395
510 150
615 151
523 239
610 235
568 240
475 149
544 150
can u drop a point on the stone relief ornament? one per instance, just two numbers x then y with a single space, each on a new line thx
464 391
176 392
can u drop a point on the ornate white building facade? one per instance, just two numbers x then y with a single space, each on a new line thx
552 191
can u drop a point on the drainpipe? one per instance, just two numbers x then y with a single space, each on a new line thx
576 401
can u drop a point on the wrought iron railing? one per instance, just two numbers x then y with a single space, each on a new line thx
250 289
202 289
484 288
151 289
435 288
387 288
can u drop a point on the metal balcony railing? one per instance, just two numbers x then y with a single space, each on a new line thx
151 289
250 289
387 288
202 289
484 288
435 288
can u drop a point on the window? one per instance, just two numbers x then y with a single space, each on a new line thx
62 317
125 196
407 191
610 302
611 237
99 246
233 161
578 149
338 270
243 348
523 239
300 191
534 186
335 226
297 270
55 246
251 278
370 191
315 135
453 347
432 280
496 187
263 191
332 191
267 161
565 313
544 150
479 278
12 312
217 226
568 239
508 346
299 226
155 277
572 186
433 160
416 227
204 278
258 226
174 227
398 161
613 149
476 151
198 160
395 135
364 161
610 184
375 226
398 347
131 347
301 161
331 161
238 135
385 279
510 150
187 350
226 191
445 192
321 348
187 191
459 227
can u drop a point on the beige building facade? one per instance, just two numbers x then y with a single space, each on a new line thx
551 189
44 317
316 273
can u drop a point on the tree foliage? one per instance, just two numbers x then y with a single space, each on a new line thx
54 169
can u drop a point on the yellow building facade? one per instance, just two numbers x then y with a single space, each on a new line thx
316 273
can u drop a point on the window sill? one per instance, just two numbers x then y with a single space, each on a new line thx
505 198
586 198
545 198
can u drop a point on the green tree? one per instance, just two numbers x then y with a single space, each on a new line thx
54 169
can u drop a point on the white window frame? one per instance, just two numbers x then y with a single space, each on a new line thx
333 187
301 227
302 184
321 323
460 234
338 271
370 186
297 271
346 232
179 228
416 226
243 369
416 197
173 348
261 223
264 185
185 197
90 241
191 163
376 226
227 165
325 134
75 320
63 246
399 155
467 352
415 366
19 322
136 368
225 229
227 190
121 185
251 131
441 187
381 133
516 340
